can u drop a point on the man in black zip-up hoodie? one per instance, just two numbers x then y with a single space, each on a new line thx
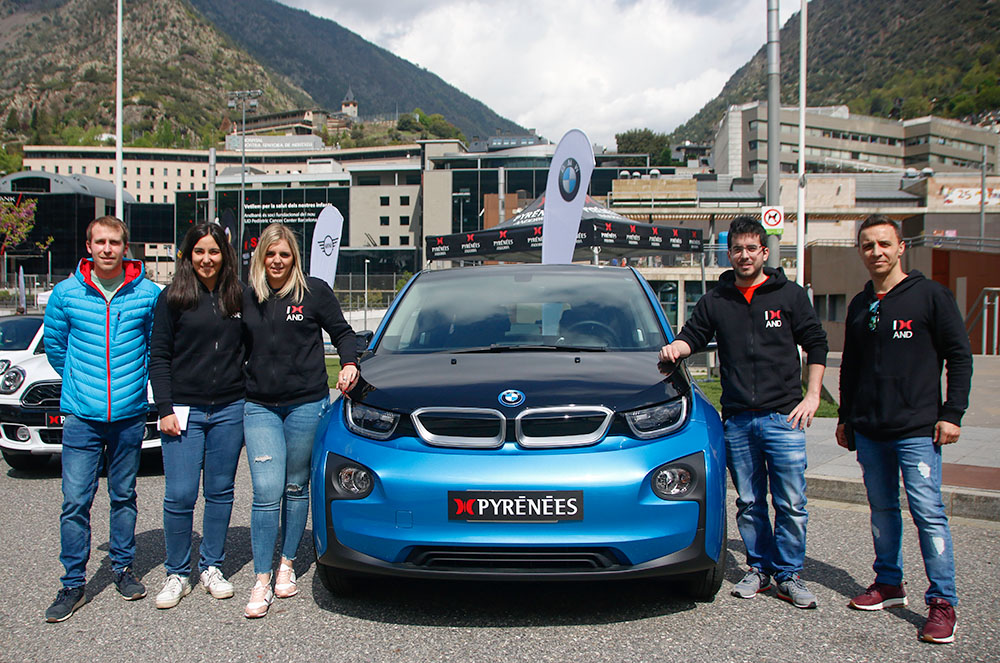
759 319
900 330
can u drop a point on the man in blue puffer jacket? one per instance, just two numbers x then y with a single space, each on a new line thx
97 327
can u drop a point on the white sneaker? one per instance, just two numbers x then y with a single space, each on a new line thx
174 589
285 585
260 600
216 584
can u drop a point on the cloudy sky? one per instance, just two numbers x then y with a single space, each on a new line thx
603 66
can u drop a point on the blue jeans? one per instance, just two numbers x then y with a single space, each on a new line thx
83 442
207 451
279 448
763 449
919 459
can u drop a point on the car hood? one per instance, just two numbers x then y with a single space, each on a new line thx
620 381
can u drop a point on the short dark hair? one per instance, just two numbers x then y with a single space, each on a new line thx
746 225
880 220
108 222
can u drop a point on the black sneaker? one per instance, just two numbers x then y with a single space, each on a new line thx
67 601
130 588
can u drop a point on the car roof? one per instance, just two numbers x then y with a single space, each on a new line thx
523 268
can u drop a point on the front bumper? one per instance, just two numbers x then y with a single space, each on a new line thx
44 430
402 528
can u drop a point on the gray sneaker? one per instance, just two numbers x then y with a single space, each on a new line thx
795 592
753 583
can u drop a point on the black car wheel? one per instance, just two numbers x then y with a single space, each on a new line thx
704 585
24 462
337 581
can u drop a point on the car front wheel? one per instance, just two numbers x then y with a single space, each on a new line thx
24 462
704 585
336 581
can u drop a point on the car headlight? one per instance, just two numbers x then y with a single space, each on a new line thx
369 421
11 380
673 481
658 420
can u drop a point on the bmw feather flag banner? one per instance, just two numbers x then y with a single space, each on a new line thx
569 174
326 244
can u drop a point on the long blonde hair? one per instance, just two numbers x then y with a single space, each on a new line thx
296 284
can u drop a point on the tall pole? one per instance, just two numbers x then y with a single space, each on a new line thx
982 202
243 172
773 125
211 187
366 294
800 209
119 187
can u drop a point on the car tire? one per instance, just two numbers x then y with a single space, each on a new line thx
336 581
25 462
704 585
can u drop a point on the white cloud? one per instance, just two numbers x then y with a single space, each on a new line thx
600 66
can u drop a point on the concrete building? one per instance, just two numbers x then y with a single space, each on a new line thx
840 141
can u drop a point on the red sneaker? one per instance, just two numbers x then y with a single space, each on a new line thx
879 596
940 625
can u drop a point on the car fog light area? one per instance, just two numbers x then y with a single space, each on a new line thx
355 480
658 420
23 433
672 482
370 422
11 380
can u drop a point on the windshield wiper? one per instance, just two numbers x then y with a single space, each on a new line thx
497 347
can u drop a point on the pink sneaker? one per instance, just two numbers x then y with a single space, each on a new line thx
940 625
879 596
284 584
260 600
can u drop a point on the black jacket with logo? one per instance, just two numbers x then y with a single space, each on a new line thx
757 341
890 378
196 355
286 365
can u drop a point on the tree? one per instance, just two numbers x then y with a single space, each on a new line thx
16 221
644 141
13 123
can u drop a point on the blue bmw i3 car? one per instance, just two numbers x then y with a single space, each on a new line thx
512 423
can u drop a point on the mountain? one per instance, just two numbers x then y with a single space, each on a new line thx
937 57
325 59
57 72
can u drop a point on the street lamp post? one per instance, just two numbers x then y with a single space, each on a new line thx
366 292
243 98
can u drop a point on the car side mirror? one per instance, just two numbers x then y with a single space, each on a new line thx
364 338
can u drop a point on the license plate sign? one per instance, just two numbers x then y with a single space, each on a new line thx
524 506
54 420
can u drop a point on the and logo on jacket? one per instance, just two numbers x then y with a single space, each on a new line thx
772 318
294 313
902 328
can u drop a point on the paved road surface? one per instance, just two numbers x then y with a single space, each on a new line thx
397 621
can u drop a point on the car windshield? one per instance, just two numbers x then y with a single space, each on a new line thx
514 309
17 333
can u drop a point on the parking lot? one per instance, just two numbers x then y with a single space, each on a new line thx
420 621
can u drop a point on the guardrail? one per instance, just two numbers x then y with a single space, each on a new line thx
980 315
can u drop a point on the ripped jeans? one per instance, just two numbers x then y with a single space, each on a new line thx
279 442
919 459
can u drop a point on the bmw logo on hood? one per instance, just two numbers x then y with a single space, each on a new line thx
511 398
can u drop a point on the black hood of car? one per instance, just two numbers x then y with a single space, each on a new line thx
621 381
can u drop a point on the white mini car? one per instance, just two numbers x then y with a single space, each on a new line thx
30 420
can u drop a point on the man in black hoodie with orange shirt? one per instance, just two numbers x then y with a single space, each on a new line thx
900 330
760 318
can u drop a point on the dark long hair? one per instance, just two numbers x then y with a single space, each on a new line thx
182 293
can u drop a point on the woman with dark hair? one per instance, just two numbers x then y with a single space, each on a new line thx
285 313
197 351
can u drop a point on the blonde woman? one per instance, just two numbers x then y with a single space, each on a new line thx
285 313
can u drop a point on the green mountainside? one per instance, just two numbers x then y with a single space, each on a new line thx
57 73
938 57
326 60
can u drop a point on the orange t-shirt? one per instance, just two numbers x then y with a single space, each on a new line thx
750 289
